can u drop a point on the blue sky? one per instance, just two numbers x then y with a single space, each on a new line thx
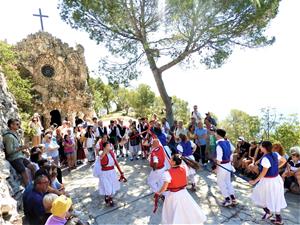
251 79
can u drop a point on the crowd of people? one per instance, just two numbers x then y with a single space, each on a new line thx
174 153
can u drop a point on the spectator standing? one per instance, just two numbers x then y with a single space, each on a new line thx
196 114
37 127
201 136
69 149
89 144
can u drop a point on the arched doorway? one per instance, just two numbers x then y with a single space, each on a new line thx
55 117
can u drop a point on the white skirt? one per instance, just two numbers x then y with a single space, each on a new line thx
180 208
108 182
269 192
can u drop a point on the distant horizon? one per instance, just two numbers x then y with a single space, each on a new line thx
251 79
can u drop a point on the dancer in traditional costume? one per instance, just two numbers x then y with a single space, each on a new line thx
186 148
269 191
109 183
179 206
157 163
224 158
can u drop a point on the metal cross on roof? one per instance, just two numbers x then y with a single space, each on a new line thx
41 18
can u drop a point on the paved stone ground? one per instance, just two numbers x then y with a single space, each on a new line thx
134 203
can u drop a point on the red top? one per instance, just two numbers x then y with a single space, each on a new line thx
178 178
104 160
159 153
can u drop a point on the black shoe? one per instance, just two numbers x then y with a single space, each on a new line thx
111 203
106 199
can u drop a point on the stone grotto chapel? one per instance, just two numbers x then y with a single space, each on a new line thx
59 75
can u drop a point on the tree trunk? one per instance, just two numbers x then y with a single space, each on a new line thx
164 95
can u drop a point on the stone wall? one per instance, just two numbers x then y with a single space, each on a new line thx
59 74
10 186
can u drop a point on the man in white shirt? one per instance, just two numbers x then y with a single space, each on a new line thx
196 114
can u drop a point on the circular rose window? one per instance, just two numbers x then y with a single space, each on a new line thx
48 71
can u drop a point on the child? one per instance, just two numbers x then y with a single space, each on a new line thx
69 149
292 167
59 210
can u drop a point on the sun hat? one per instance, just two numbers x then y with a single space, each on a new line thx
61 205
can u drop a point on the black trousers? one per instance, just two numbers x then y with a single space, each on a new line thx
197 154
203 155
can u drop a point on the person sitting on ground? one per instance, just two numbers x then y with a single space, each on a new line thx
242 152
292 172
58 187
14 151
33 200
252 169
60 211
35 157
49 170
280 150
249 157
47 202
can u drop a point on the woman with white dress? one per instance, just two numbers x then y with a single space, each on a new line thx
109 183
179 206
269 191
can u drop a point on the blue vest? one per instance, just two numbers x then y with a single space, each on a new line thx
162 138
187 148
273 170
225 145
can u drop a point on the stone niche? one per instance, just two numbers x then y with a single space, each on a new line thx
59 74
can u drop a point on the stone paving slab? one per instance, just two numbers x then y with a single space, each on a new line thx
134 203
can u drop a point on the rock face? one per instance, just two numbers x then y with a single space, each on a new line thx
9 180
59 74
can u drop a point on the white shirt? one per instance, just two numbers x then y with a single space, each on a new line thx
180 148
265 162
90 142
196 115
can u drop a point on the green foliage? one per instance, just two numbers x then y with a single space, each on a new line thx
239 123
140 32
287 133
124 98
129 29
143 100
180 108
102 94
269 121
26 118
18 86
